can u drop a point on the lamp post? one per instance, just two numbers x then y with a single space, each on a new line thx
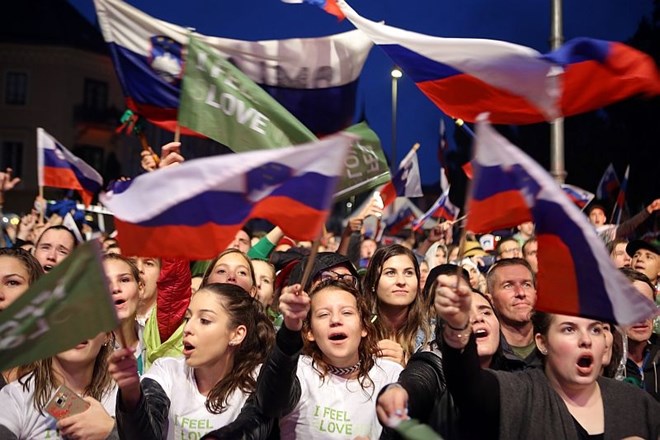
557 168
396 73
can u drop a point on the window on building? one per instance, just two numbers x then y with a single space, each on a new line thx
96 95
11 156
16 85
92 155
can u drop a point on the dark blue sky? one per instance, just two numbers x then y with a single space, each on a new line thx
519 21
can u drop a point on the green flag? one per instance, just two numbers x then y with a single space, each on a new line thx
366 166
413 430
222 103
63 308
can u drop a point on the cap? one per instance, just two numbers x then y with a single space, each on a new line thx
323 261
473 249
636 245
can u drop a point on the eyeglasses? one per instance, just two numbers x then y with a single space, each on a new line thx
514 250
343 277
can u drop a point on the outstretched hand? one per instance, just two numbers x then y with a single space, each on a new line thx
452 302
294 305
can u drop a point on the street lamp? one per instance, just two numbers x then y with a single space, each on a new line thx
396 74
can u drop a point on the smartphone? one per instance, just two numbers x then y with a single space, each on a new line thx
65 403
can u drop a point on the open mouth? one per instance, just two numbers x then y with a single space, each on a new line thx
481 333
338 337
119 302
585 363
187 348
48 268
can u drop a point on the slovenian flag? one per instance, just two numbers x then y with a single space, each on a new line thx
59 168
316 79
441 208
516 84
406 182
194 210
580 197
608 186
576 275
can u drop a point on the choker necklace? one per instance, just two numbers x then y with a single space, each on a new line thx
344 371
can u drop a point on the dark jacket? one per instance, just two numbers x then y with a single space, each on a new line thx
649 381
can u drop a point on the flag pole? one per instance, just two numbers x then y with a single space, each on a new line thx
41 208
177 133
310 262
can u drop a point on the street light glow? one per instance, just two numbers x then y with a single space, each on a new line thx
396 73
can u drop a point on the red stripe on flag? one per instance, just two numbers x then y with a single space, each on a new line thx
556 294
296 220
61 178
590 84
465 97
501 210
388 194
165 118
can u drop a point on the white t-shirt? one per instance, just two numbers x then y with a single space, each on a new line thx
188 416
20 417
336 408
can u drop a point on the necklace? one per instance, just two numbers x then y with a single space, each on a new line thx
345 370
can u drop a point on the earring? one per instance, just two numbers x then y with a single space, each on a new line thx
544 352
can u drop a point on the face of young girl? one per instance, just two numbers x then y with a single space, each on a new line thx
207 334
14 280
575 348
398 282
234 269
336 326
265 276
123 286
83 354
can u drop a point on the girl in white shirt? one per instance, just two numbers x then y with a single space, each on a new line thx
84 370
226 337
329 392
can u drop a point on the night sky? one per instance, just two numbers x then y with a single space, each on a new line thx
519 21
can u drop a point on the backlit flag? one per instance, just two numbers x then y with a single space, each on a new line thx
222 103
314 78
63 308
59 168
441 208
576 275
580 197
329 6
516 84
621 199
406 182
608 187
194 210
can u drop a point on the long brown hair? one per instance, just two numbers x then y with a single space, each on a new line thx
211 266
45 380
242 309
368 348
27 260
417 310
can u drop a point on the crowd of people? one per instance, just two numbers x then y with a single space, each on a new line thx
273 340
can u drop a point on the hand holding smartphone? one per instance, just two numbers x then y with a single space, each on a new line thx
65 403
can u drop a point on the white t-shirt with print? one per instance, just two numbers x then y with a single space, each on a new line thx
188 416
336 408
20 417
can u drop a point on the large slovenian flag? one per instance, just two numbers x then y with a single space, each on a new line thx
576 275
516 84
314 78
194 210
57 167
